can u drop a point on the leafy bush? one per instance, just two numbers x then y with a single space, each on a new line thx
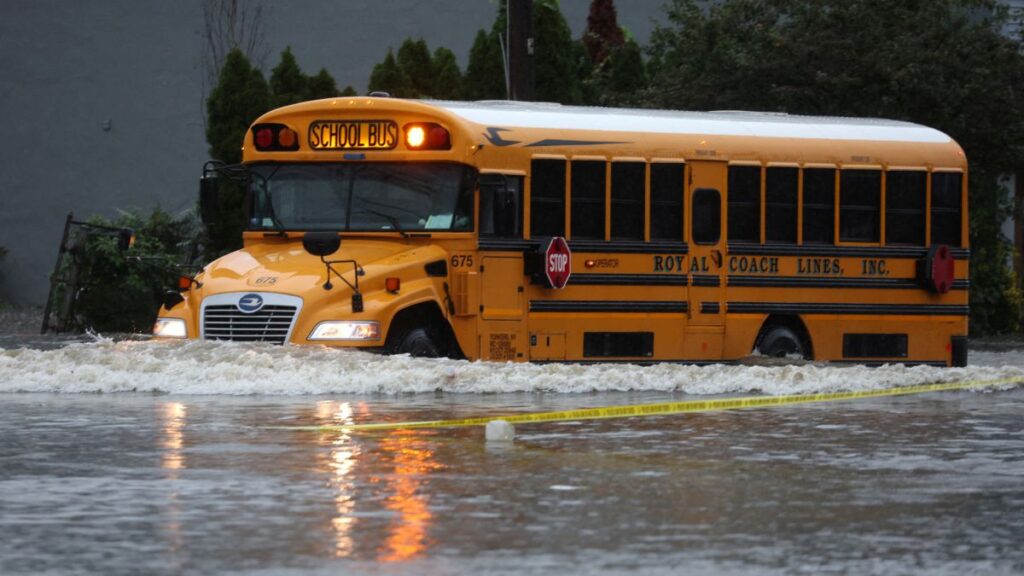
121 291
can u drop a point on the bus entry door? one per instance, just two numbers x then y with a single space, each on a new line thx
502 330
706 182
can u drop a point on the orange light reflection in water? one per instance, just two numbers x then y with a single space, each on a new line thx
413 461
340 462
173 418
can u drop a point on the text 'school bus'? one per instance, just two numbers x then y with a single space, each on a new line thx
516 231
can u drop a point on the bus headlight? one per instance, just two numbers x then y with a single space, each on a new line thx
170 328
346 330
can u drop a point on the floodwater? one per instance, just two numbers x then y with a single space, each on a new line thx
156 458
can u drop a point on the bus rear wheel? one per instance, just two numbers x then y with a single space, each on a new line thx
781 342
419 343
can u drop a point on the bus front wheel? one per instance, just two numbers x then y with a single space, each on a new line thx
781 342
419 343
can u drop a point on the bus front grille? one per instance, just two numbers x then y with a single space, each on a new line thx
226 322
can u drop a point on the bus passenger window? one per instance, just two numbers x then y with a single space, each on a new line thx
628 200
744 203
547 198
707 216
667 201
780 204
947 188
904 207
587 198
860 202
501 211
819 205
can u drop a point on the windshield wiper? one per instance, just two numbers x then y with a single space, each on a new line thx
390 218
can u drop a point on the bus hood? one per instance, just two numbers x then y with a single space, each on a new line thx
285 267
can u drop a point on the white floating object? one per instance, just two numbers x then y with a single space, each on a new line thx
500 431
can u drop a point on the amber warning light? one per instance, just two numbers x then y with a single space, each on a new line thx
274 138
427 136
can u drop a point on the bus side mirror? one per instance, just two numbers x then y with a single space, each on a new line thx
209 192
321 244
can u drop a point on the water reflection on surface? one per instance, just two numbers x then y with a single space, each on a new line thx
130 484
172 416
413 461
342 455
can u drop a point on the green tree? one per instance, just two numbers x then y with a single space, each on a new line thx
322 85
241 96
620 76
554 68
389 77
485 72
348 91
942 63
447 80
287 82
414 60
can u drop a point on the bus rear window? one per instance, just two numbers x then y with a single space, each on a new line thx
904 207
947 188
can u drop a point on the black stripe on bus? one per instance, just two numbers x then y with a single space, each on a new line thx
827 250
628 279
627 247
826 282
597 246
508 245
607 306
830 308
705 280
709 308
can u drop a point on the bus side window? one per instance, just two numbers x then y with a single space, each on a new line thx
947 188
501 205
780 204
744 203
904 207
628 200
819 205
667 201
547 198
860 205
587 197
707 216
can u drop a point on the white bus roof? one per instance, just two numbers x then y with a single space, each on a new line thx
508 114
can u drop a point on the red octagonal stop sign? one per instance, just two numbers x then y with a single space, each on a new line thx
558 262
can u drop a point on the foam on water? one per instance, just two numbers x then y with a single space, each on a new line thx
197 367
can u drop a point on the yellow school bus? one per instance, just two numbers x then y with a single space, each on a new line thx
515 231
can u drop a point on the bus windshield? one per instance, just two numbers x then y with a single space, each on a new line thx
364 197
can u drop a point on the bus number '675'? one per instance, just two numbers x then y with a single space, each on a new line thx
462 260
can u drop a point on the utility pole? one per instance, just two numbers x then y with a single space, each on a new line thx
520 49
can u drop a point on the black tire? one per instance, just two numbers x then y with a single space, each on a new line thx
781 342
418 342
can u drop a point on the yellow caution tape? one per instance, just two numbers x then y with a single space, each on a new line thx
665 408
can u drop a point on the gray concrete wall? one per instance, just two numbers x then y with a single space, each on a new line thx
101 102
